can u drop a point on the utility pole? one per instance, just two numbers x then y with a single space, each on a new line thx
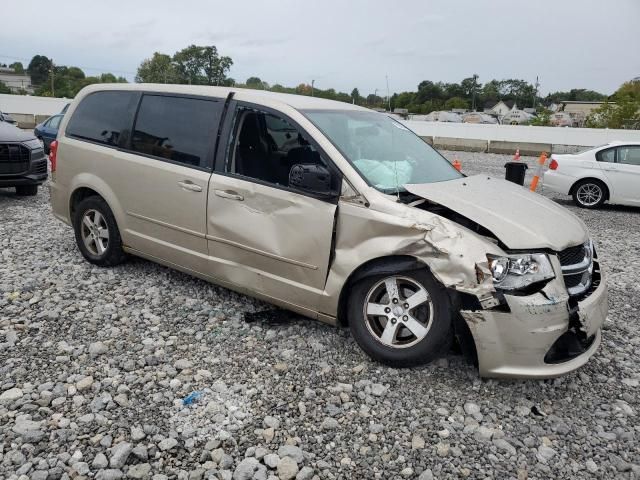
388 96
535 95
312 82
53 92
473 92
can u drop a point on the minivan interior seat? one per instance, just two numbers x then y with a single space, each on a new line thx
253 153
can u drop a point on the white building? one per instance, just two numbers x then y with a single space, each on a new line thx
500 109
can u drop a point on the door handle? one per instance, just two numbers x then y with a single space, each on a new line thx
189 185
230 194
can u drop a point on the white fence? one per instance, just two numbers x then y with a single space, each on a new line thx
30 105
515 134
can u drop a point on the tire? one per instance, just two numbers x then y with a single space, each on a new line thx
589 193
406 348
27 190
97 234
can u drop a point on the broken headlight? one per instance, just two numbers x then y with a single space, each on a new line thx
514 272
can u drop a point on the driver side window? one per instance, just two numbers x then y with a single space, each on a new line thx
265 147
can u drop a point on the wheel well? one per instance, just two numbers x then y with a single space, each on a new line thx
77 196
593 179
376 266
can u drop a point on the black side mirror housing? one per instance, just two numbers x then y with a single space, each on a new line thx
312 178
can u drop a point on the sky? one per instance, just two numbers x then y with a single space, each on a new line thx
343 44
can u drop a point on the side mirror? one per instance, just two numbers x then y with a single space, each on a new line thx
311 178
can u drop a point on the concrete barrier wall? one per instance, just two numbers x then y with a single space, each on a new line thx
507 138
28 110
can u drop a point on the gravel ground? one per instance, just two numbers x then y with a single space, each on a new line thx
97 367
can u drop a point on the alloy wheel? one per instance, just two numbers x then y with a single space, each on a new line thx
95 232
589 194
398 311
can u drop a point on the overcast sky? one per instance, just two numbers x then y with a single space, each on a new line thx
344 44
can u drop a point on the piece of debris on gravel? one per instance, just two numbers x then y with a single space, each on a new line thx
143 372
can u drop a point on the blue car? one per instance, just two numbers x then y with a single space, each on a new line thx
48 130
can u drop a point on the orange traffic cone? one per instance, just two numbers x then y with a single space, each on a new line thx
456 164
516 157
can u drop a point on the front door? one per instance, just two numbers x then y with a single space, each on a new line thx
264 235
624 175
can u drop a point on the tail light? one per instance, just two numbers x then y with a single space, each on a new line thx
553 165
53 155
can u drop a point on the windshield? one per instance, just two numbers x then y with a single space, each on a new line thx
385 152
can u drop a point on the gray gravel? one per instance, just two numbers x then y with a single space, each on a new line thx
95 364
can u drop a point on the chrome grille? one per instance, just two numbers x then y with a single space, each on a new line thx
577 268
14 159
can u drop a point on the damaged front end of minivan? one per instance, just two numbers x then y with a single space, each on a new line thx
533 295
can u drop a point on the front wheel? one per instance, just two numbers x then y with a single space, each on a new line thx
401 320
97 234
589 193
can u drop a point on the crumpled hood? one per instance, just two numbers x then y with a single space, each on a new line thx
517 217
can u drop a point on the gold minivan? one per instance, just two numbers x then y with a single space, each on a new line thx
335 212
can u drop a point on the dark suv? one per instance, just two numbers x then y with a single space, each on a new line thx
23 163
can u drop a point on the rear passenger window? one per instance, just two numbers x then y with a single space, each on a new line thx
608 156
179 129
102 117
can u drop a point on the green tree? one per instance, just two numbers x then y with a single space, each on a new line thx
355 95
624 113
215 67
39 68
17 67
158 69
456 102
189 63
543 118
254 82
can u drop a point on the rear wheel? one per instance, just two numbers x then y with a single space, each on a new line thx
97 234
27 190
401 320
589 193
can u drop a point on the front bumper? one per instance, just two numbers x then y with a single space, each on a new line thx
514 344
19 180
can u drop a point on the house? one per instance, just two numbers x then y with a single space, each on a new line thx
501 108
579 110
16 81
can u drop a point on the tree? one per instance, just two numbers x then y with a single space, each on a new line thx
157 69
216 67
456 102
355 95
189 63
17 67
428 90
254 82
4 88
624 113
39 68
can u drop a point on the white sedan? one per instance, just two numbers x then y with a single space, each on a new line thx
607 173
